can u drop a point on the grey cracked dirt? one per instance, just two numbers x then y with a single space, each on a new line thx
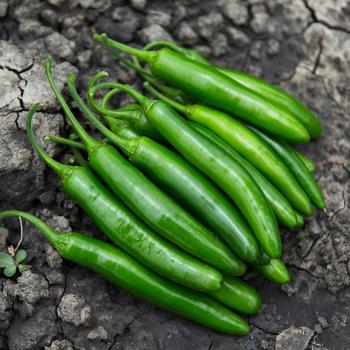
301 45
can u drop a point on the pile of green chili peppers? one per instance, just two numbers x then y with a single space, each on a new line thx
190 187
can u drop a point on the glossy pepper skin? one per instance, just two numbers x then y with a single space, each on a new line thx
239 296
248 145
275 271
124 271
150 203
292 160
226 173
270 92
284 212
214 88
186 183
124 229
278 97
217 165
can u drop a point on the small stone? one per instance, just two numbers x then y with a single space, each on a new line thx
256 50
73 21
209 25
264 344
186 34
339 172
60 345
98 333
220 45
47 197
55 277
322 321
33 27
138 4
3 8
318 329
52 257
59 46
123 26
260 21
294 338
56 2
236 11
272 47
3 237
238 38
49 17
74 309
84 58
158 17
154 32
14 57
32 287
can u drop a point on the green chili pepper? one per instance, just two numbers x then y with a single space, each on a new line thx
270 92
239 296
296 165
216 164
207 84
248 145
188 185
124 271
150 203
275 271
285 214
310 166
123 228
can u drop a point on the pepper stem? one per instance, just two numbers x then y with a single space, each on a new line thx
52 236
85 137
147 56
61 169
178 106
126 145
64 141
126 114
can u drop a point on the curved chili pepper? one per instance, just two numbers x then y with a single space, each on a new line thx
285 214
124 271
248 145
207 84
188 185
121 226
217 165
270 92
295 164
149 202
275 271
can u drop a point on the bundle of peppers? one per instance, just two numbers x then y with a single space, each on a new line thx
206 176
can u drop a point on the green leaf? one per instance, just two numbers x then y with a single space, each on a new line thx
23 267
10 270
6 260
21 255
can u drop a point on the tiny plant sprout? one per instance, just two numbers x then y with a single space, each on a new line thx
14 257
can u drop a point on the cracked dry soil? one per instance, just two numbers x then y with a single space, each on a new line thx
301 45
